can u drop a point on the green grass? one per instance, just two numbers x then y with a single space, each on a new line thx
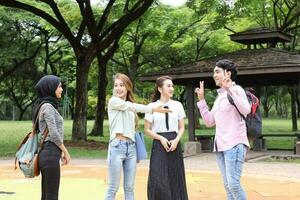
12 132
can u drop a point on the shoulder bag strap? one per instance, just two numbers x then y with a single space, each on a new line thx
232 103
45 133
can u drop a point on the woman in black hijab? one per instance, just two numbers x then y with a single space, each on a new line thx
49 90
46 88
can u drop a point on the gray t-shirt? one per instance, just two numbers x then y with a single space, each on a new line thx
50 117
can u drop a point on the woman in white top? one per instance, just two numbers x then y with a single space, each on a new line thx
166 179
122 122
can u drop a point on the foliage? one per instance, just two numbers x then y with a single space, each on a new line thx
19 48
187 34
164 37
28 51
280 15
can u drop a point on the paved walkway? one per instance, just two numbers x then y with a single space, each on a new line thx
86 179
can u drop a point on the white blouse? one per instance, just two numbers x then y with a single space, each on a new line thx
158 120
121 116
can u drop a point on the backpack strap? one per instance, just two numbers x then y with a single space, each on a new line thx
45 134
230 99
32 132
36 120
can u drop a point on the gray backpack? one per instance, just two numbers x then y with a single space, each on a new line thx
28 150
26 153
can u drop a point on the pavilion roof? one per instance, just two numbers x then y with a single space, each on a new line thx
258 65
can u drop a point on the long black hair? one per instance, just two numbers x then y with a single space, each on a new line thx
46 88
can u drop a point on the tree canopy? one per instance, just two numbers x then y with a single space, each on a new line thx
86 44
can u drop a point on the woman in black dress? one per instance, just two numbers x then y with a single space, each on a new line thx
167 175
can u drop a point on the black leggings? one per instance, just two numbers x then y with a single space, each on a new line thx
50 169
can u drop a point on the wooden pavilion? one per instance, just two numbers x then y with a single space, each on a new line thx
266 65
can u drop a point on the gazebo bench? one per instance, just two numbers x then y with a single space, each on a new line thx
259 144
206 141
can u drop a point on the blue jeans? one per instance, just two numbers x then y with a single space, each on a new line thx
231 163
121 156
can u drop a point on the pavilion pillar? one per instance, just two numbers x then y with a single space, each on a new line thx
191 147
190 111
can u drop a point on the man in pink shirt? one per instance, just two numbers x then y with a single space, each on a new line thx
231 140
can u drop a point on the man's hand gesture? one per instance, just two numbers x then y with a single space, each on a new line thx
200 90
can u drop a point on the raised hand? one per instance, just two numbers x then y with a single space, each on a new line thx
226 82
161 109
200 90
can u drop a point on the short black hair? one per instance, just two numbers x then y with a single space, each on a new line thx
229 66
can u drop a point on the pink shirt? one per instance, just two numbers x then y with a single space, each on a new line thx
230 127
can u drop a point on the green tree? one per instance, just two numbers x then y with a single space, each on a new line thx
20 48
19 43
93 36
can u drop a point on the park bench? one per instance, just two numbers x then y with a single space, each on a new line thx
206 141
259 144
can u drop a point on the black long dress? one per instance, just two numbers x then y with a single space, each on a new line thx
167 176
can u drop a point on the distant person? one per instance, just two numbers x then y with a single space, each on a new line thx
166 179
49 90
231 140
122 150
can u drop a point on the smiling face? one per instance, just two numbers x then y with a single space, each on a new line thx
58 91
167 90
218 76
120 89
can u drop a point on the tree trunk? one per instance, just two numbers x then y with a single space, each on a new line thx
278 105
265 103
100 109
132 69
298 99
293 107
80 115
22 111
298 104
266 111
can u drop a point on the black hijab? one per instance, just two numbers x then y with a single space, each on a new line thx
46 88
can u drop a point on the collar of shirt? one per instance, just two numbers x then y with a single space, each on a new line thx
164 103
221 90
